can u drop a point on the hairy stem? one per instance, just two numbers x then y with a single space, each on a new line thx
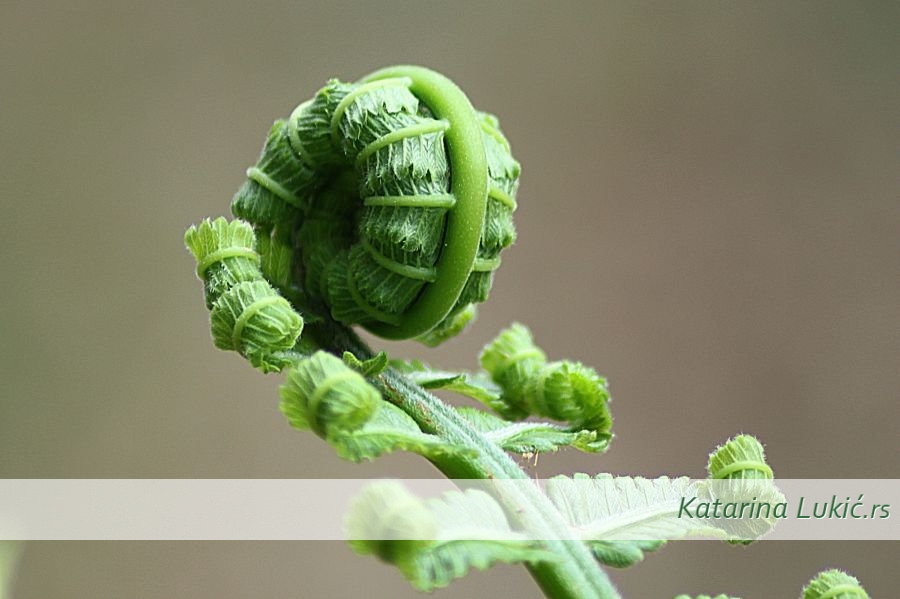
576 575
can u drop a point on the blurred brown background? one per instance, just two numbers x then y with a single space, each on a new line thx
708 214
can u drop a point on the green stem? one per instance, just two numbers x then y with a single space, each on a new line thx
469 185
576 575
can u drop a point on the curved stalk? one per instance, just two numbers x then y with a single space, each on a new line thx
577 575
470 189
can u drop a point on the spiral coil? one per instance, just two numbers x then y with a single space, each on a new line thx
562 390
741 457
247 314
398 197
834 584
325 395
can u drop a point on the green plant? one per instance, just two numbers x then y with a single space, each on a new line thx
386 204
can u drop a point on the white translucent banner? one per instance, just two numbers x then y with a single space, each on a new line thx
591 509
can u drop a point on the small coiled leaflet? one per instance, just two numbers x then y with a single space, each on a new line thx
834 584
399 196
741 457
563 390
325 395
247 314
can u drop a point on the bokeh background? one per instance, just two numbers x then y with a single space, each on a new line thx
708 214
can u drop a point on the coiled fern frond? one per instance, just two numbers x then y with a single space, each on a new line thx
396 197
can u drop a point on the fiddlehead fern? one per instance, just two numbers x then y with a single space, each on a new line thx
247 314
387 203
742 457
562 390
325 395
399 197
829 584
834 584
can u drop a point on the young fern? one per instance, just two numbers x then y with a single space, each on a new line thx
834 584
386 203
828 584
563 390
387 237
247 314
325 395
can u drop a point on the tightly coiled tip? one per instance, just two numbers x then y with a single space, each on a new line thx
252 319
572 392
322 393
510 349
390 522
562 390
225 254
247 314
388 239
834 584
741 457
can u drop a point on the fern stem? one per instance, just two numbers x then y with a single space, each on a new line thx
576 575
